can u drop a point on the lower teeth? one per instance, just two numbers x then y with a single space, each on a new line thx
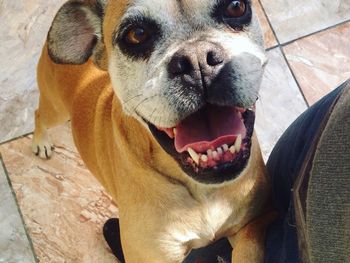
194 155
218 155
215 156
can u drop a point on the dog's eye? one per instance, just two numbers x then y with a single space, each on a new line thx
137 36
235 9
235 13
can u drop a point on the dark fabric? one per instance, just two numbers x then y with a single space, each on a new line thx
328 196
281 243
111 233
284 166
218 252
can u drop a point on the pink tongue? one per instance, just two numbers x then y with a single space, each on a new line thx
209 128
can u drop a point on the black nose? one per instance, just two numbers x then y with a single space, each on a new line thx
197 63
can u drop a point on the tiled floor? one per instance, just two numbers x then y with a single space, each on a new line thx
24 26
14 243
321 61
63 206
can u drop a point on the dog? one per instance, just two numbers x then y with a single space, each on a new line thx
161 95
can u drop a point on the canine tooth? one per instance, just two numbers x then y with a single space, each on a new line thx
225 147
204 158
210 153
193 155
220 151
174 131
232 149
238 143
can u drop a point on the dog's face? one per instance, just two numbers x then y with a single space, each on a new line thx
190 70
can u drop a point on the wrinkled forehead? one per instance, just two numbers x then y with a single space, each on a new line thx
171 10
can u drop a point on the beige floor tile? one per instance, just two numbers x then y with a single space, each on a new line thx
292 19
280 102
14 244
321 62
23 30
64 207
269 37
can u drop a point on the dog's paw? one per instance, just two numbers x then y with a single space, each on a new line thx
43 148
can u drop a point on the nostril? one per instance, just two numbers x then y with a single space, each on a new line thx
180 65
215 58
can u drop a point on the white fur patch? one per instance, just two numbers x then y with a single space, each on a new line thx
199 230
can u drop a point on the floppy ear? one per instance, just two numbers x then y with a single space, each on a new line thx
76 33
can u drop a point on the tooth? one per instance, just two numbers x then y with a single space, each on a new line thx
193 155
225 147
204 158
215 155
232 149
174 131
210 153
238 143
220 151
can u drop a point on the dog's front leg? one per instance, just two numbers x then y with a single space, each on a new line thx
249 243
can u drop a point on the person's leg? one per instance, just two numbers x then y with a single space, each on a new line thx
289 167
327 217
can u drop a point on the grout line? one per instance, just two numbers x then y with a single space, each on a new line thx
270 24
2 163
294 77
299 38
16 138
284 55
273 47
315 33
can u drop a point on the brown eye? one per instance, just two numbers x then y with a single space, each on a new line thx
137 36
236 9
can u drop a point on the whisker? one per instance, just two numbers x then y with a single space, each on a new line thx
131 99
154 110
144 101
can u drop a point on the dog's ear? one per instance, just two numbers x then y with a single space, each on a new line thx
76 33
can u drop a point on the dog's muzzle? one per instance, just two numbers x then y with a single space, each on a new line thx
212 145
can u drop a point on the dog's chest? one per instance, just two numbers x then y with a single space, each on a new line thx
215 216
201 225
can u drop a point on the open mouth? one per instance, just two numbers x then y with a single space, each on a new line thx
211 145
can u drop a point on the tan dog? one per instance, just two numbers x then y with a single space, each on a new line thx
165 122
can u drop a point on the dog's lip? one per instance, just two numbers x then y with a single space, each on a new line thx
201 166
